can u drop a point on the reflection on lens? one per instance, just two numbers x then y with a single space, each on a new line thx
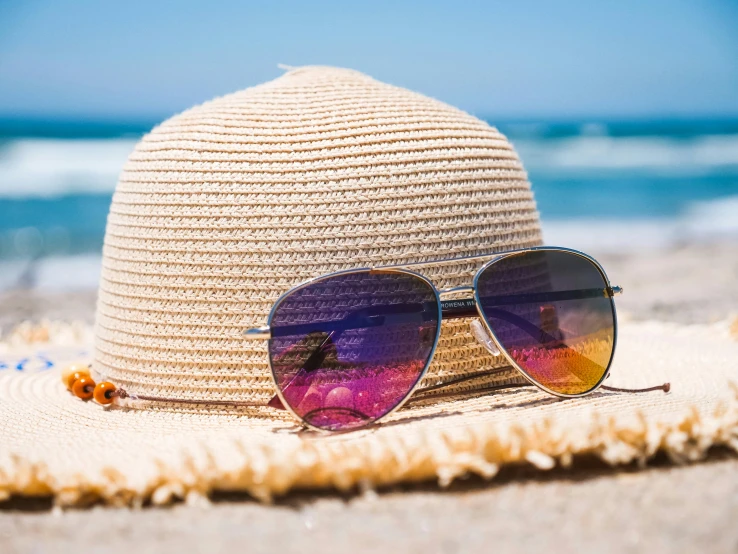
348 349
550 311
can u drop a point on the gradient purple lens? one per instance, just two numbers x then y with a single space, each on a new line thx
346 350
552 313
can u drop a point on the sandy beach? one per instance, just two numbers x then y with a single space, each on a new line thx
663 508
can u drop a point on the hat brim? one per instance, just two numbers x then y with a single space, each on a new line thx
54 444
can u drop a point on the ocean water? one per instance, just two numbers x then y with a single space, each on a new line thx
599 185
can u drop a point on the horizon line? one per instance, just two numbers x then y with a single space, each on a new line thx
151 120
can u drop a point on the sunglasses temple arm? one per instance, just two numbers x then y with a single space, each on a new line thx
551 296
123 394
355 320
432 392
450 311
666 387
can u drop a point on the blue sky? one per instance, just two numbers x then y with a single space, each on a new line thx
143 59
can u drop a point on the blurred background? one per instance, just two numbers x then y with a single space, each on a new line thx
625 114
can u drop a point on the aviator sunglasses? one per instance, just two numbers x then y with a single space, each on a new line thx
349 348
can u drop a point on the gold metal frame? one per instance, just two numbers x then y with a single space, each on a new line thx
264 333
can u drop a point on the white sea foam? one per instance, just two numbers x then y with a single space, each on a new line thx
51 167
645 154
702 221
54 273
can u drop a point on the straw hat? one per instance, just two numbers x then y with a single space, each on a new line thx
224 207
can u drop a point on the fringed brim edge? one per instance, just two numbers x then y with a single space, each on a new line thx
378 461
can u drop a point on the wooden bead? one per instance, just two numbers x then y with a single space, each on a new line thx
76 377
73 372
103 392
83 388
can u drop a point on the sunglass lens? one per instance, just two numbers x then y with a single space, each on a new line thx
348 349
551 312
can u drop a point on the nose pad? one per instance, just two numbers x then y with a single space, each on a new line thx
483 338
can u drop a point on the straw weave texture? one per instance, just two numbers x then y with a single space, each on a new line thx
226 206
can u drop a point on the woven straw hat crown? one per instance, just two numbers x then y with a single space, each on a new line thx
224 207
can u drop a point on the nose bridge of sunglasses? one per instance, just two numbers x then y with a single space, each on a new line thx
467 308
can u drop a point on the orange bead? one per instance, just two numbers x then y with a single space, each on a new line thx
83 388
103 392
73 372
76 377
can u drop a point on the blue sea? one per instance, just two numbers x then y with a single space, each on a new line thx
599 185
